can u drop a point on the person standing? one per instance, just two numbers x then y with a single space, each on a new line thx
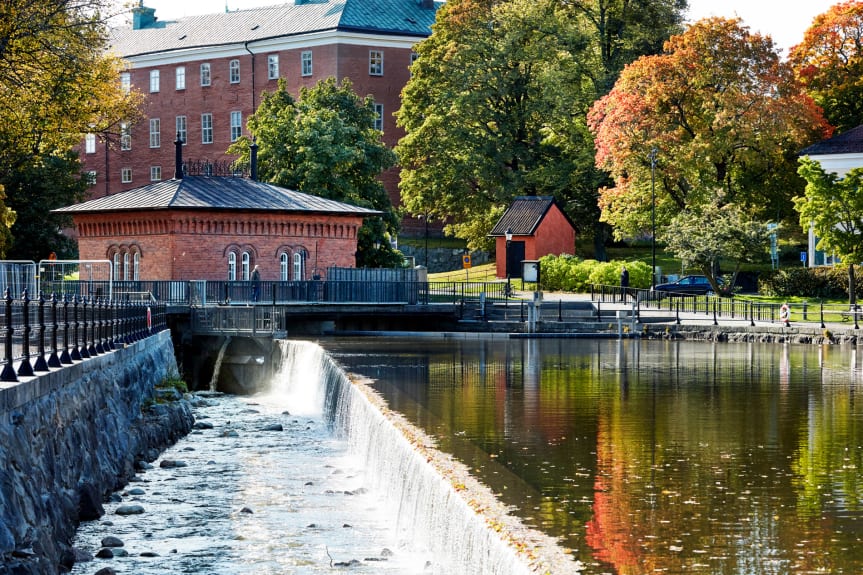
256 284
624 283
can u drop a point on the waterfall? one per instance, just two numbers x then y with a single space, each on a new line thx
217 367
436 500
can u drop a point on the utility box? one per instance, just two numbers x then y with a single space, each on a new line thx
530 271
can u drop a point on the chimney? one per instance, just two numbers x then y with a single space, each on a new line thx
142 16
178 158
253 168
427 4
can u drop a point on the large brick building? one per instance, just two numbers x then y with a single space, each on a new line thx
202 76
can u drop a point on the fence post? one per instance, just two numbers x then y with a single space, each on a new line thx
560 310
714 313
98 324
25 369
64 355
76 351
598 311
751 314
84 350
822 315
41 364
805 310
53 359
8 373
677 311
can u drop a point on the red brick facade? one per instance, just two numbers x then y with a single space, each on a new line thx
198 245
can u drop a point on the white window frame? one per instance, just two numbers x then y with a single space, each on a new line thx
206 128
273 67
376 62
299 266
284 269
117 265
90 144
378 123
125 175
306 66
125 82
126 266
246 262
232 267
236 125
155 133
234 71
181 77
154 81
182 129
206 76
155 173
125 136
136 266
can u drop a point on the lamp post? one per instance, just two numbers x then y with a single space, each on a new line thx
508 236
653 152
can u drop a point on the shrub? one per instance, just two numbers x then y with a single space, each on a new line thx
570 273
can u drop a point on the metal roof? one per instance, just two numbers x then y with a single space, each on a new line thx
850 142
403 17
523 216
215 193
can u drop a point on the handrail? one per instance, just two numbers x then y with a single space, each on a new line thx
96 326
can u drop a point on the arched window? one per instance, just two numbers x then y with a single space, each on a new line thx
136 263
283 267
246 261
232 266
299 266
117 266
126 266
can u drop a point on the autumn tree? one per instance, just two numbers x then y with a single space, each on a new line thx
497 102
725 117
56 84
833 208
829 63
324 143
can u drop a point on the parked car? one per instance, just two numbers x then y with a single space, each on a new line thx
688 285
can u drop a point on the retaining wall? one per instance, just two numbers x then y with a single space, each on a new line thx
70 437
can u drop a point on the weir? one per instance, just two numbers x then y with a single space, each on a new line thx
435 499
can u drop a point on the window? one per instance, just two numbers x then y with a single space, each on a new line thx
273 66
414 58
136 266
154 80
283 267
246 262
155 133
126 82
206 128
126 266
90 178
181 77
117 266
236 125
299 265
234 71
376 63
126 175
205 74
232 267
306 62
125 136
155 173
379 117
90 144
181 129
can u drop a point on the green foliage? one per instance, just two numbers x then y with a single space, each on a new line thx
325 144
572 274
174 381
821 282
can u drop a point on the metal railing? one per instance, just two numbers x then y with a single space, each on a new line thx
44 333
238 320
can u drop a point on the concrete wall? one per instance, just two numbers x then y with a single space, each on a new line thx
70 437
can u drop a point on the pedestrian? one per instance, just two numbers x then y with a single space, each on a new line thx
624 283
256 284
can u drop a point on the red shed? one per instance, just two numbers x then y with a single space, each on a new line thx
538 227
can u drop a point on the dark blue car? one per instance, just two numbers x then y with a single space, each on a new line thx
687 285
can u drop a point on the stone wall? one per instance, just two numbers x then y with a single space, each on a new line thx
442 259
70 437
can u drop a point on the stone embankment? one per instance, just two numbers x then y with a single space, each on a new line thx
760 333
70 437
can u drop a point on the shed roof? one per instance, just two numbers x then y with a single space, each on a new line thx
850 142
215 193
524 215
392 17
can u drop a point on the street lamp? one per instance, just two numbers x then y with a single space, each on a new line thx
652 156
508 236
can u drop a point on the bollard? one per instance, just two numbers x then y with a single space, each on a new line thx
8 373
25 369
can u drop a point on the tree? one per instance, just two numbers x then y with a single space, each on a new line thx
726 117
325 144
833 208
829 63
701 237
56 84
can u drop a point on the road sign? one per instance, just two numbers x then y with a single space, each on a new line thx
465 261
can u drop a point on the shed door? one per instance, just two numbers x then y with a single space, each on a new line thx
514 255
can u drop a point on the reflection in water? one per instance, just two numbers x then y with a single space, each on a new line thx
674 457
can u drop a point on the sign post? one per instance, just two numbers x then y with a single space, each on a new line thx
465 262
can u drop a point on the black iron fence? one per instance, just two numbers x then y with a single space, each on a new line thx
48 332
